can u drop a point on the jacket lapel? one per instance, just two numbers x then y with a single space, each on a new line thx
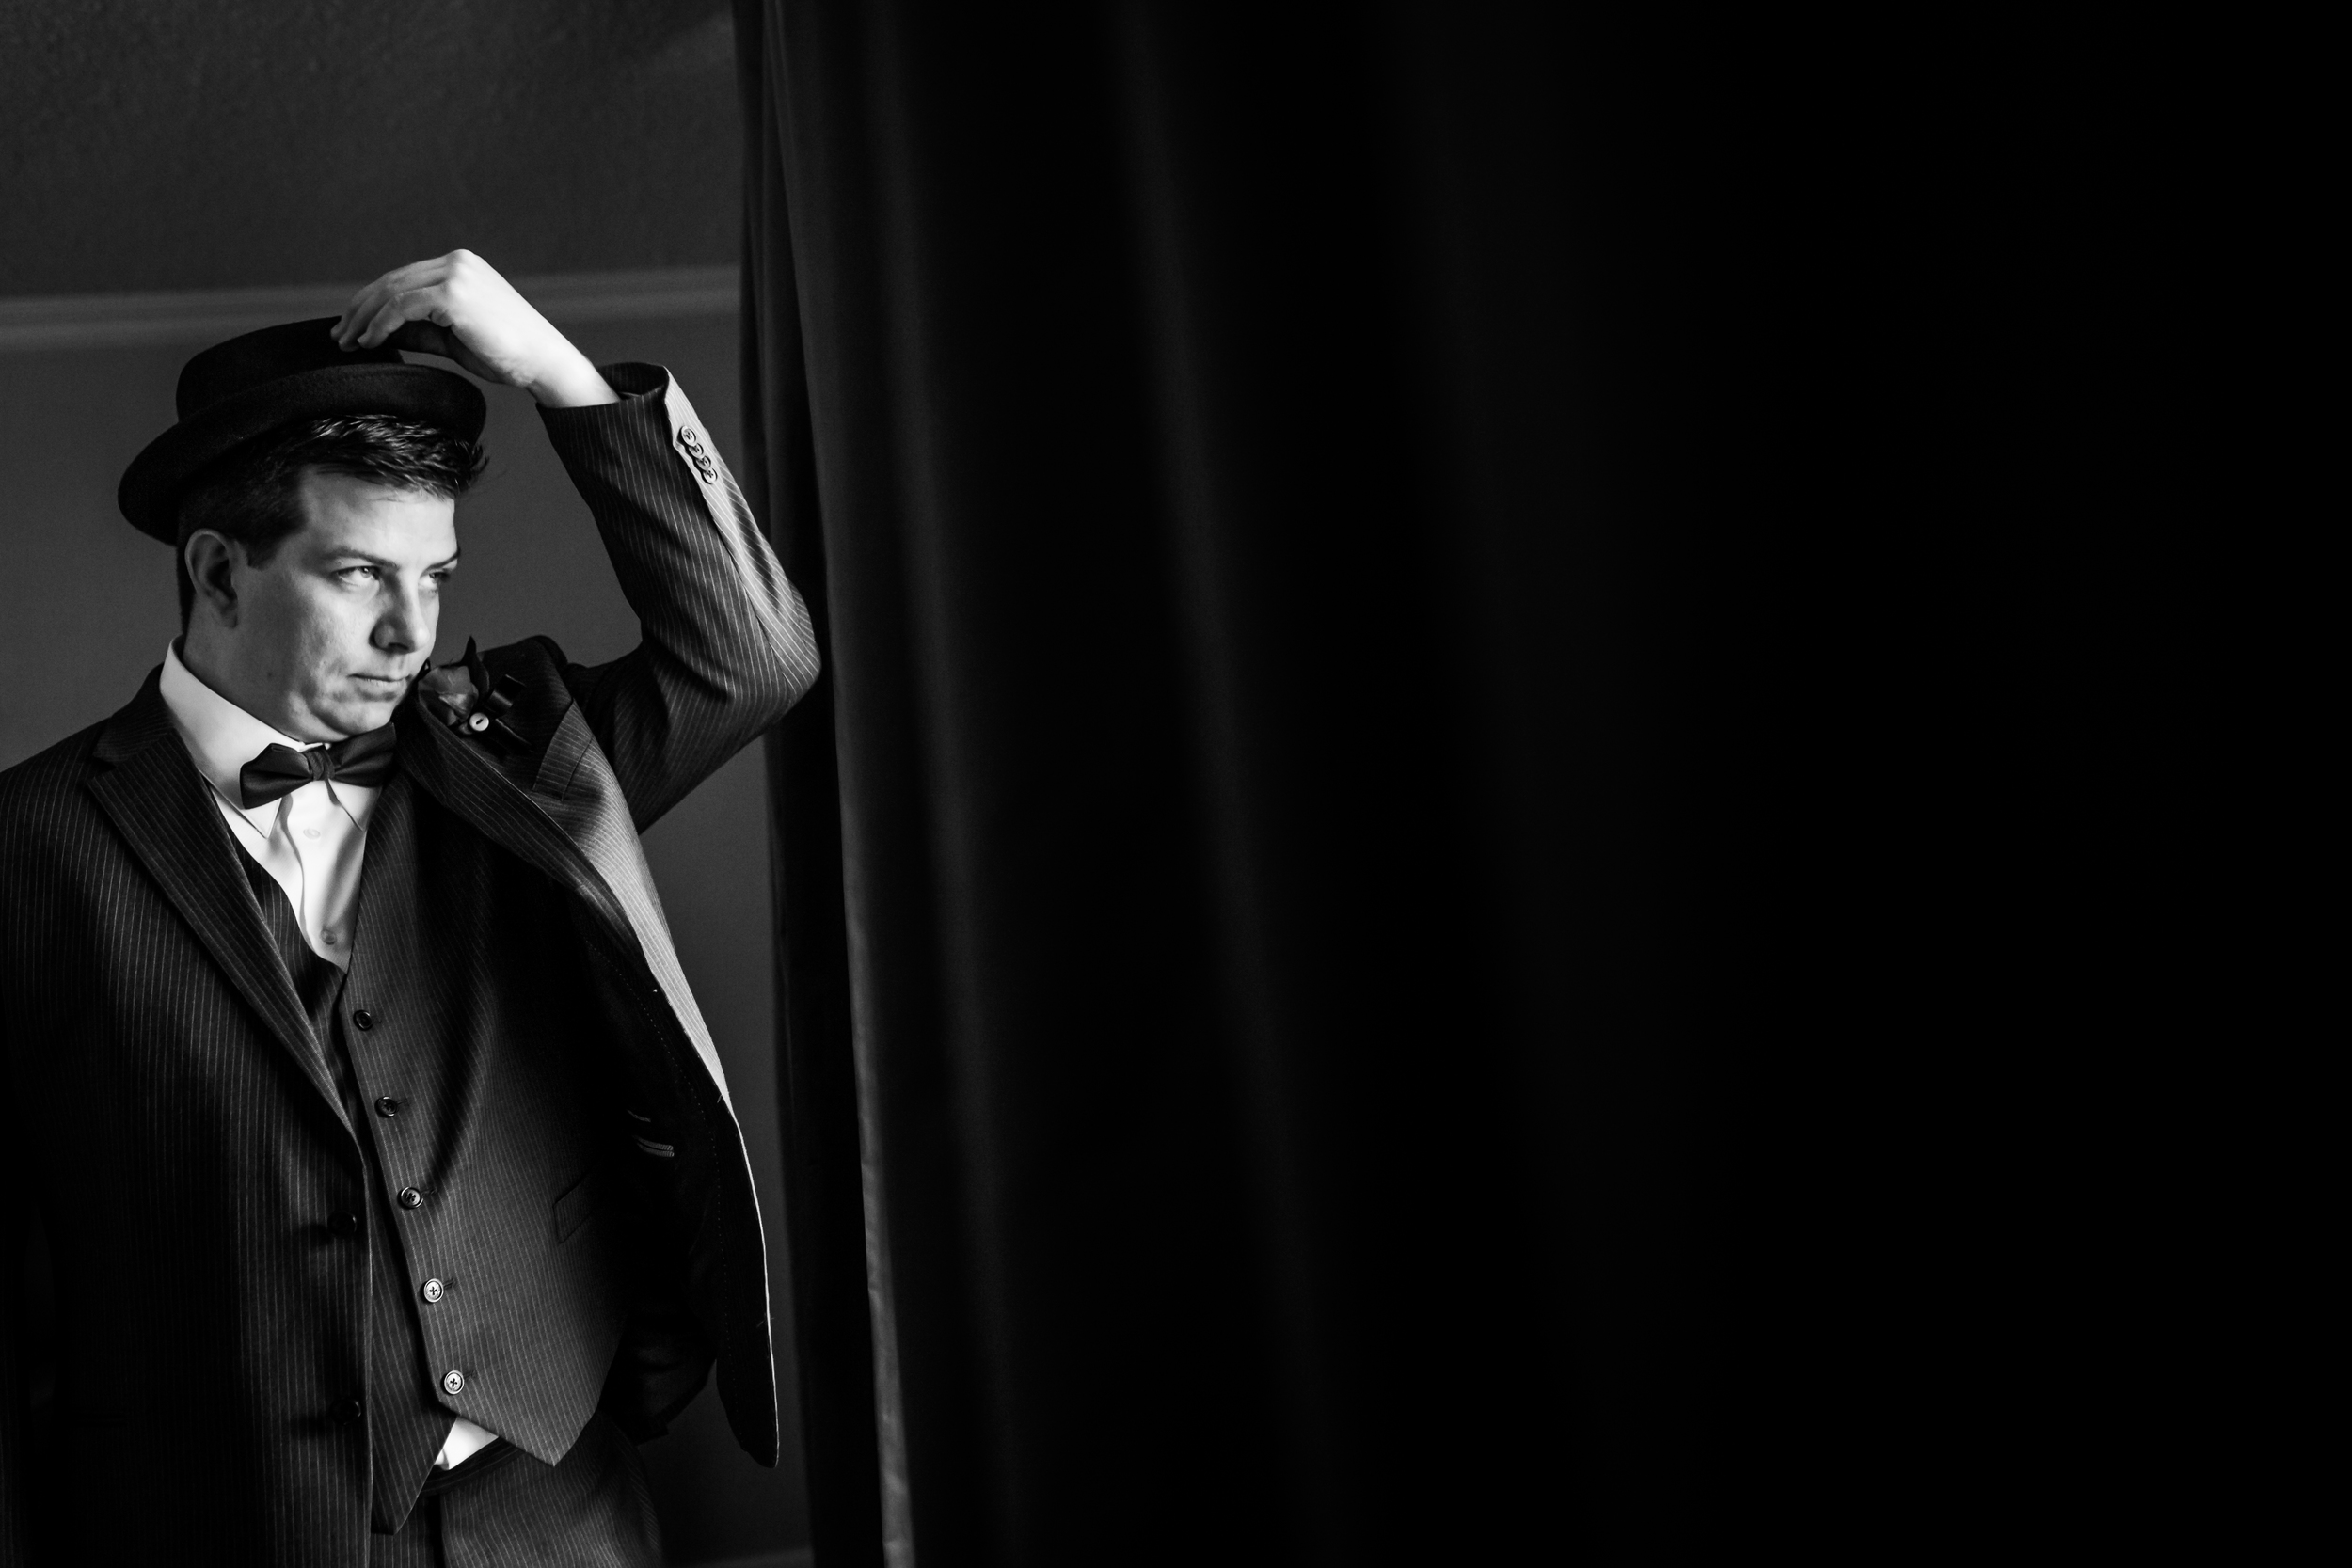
164 810
470 784
573 826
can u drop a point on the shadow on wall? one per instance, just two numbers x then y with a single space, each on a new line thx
88 607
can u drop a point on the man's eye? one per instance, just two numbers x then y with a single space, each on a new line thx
353 572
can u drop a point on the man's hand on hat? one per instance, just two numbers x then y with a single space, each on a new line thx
458 306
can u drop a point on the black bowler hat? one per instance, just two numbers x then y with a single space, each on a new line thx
245 389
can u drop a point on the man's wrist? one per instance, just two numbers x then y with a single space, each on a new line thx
574 383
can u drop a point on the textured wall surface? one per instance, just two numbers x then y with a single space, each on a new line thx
179 144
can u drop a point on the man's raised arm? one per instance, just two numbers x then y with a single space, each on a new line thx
728 645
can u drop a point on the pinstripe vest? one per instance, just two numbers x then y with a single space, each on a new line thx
502 1235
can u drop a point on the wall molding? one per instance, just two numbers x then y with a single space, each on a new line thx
206 315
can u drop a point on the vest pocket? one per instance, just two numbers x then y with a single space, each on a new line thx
575 1208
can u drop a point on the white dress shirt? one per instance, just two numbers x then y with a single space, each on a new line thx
310 840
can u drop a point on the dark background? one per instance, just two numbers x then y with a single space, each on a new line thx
1609 829
166 148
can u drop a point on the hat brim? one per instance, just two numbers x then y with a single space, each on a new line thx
150 493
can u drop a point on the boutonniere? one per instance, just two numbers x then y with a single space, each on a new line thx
463 696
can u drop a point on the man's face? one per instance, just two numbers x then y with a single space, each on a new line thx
344 616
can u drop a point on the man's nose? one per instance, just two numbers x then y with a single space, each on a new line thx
406 624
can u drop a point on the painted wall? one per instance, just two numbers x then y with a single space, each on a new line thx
172 146
197 143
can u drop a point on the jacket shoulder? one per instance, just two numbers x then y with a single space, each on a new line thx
528 697
51 774
533 660
535 668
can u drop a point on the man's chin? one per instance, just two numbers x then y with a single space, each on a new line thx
365 711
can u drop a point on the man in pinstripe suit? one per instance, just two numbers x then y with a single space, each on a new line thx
389 1174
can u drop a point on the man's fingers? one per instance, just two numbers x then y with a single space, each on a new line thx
426 303
458 306
345 327
361 309
375 324
368 302
389 319
360 312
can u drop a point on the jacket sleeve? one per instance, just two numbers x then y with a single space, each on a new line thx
727 646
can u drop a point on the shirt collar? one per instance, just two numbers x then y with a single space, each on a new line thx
222 737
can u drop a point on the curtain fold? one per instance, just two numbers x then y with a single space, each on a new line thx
1241 881
824 1223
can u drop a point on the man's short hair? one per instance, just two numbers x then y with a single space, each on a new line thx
254 494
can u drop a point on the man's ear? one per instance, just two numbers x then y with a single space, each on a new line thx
211 560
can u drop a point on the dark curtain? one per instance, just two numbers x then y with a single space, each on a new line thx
1255 886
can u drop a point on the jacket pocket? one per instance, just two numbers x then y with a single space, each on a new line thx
576 1207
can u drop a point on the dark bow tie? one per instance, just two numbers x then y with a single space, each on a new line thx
365 760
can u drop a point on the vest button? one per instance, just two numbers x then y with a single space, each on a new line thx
348 1411
364 1019
387 1107
432 1289
454 1383
411 1198
343 1224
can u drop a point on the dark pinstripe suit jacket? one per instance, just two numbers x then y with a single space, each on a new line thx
175 1118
